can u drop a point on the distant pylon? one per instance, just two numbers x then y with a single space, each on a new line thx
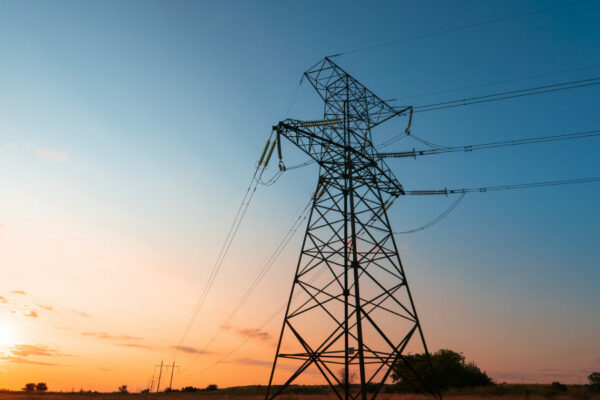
350 306
172 369
159 375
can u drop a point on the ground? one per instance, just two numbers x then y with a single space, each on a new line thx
496 392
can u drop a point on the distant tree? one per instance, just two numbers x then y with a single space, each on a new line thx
212 387
41 387
448 369
123 389
29 387
594 380
143 391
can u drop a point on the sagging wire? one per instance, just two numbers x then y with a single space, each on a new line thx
436 219
297 222
490 145
239 216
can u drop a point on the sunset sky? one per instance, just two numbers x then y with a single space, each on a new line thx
129 132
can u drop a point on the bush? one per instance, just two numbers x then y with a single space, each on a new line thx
447 369
211 388
144 391
190 389
123 389
558 387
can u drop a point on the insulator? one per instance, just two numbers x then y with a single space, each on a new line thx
407 131
270 153
382 208
262 156
323 122
322 190
390 203
318 188
278 139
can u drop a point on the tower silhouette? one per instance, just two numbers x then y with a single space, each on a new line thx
350 313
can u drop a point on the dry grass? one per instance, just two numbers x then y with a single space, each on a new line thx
221 395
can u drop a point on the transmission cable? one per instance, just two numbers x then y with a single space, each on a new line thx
257 330
458 28
564 71
241 212
392 140
239 216
484 189
509 94
436 219
297 222
506 143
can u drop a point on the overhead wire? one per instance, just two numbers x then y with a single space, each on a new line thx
392 140
257 330
269 262
484 189
436 219
459 28
241 212
564 71
505 143
428 143
273 179
233 229
509 94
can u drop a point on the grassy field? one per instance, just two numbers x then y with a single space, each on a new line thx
500 392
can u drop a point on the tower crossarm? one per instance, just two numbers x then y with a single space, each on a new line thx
320 141
337 87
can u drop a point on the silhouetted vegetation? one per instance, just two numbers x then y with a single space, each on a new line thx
29 387
558 387
41 387
123 389
211 387
38 387
446 370
190 389
594 382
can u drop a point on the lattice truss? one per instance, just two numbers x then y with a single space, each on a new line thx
350 313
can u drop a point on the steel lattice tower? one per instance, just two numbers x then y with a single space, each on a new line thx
350 311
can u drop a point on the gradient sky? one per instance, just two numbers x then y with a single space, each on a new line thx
129 131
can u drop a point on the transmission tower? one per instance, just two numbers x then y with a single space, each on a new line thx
350 312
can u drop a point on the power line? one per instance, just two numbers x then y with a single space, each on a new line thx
392 140
257 330
241 212
297 222
427 143
436 219
484 189
243 342
459 28
239 216
506 143
498 82
509 95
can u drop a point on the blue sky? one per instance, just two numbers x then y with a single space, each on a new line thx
142 121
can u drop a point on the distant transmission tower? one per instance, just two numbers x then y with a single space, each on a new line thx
350 311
